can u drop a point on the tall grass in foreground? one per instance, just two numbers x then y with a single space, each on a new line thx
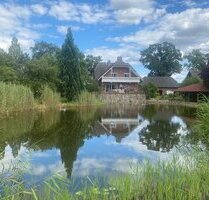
177 180
87 98
15 98
49 98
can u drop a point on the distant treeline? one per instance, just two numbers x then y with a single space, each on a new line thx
65 70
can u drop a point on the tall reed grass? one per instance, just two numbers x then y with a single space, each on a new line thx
87 98
15 98
49 98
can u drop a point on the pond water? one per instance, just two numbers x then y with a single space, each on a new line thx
90 141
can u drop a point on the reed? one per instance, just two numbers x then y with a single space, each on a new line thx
15 98
49 98
178 179
87 98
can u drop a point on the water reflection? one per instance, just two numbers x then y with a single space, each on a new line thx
80 141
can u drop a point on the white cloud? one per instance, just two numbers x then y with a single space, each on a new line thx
187 30
129 53
126 4
39 9
15 21
134 11
85 13
63 29
181 76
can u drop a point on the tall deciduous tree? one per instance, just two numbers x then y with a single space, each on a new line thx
15 50
18 58
91 62
162 59
196 60
43 48
70 73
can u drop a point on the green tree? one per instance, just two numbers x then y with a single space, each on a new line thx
15 50
150 90
8 74
162 59
19 59
196 60
5 59
41 72
89 83
43 48
70 72
91 62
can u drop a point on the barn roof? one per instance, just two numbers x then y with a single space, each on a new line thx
199 87
161 81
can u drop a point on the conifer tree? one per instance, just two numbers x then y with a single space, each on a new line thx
70 73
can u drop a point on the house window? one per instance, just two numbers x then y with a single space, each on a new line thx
114 74
126 74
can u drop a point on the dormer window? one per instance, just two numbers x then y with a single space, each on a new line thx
114 74
126 74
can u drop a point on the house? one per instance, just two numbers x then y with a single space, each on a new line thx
193 92
165 85
117 77
194 73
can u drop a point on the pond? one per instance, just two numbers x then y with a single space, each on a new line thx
90 141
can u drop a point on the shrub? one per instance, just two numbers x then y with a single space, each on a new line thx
150 90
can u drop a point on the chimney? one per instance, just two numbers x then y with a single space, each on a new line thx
119 59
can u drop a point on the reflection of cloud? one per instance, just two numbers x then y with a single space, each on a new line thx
182 130
10 161
47 169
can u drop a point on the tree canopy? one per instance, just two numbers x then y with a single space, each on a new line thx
162 59
196 59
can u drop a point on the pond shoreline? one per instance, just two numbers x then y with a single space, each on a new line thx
175 103
65 106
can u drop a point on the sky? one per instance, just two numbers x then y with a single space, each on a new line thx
108 28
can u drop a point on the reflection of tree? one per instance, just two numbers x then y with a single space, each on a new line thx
65 131
160 135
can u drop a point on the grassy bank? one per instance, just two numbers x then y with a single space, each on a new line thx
18 98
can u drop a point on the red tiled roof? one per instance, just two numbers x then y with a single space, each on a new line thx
199 87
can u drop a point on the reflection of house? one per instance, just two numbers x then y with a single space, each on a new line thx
165 85
118 77
120 127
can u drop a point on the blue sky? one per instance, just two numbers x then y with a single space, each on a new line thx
108 28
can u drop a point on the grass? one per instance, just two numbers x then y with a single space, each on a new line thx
86 99
49 98
178 179
15 98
